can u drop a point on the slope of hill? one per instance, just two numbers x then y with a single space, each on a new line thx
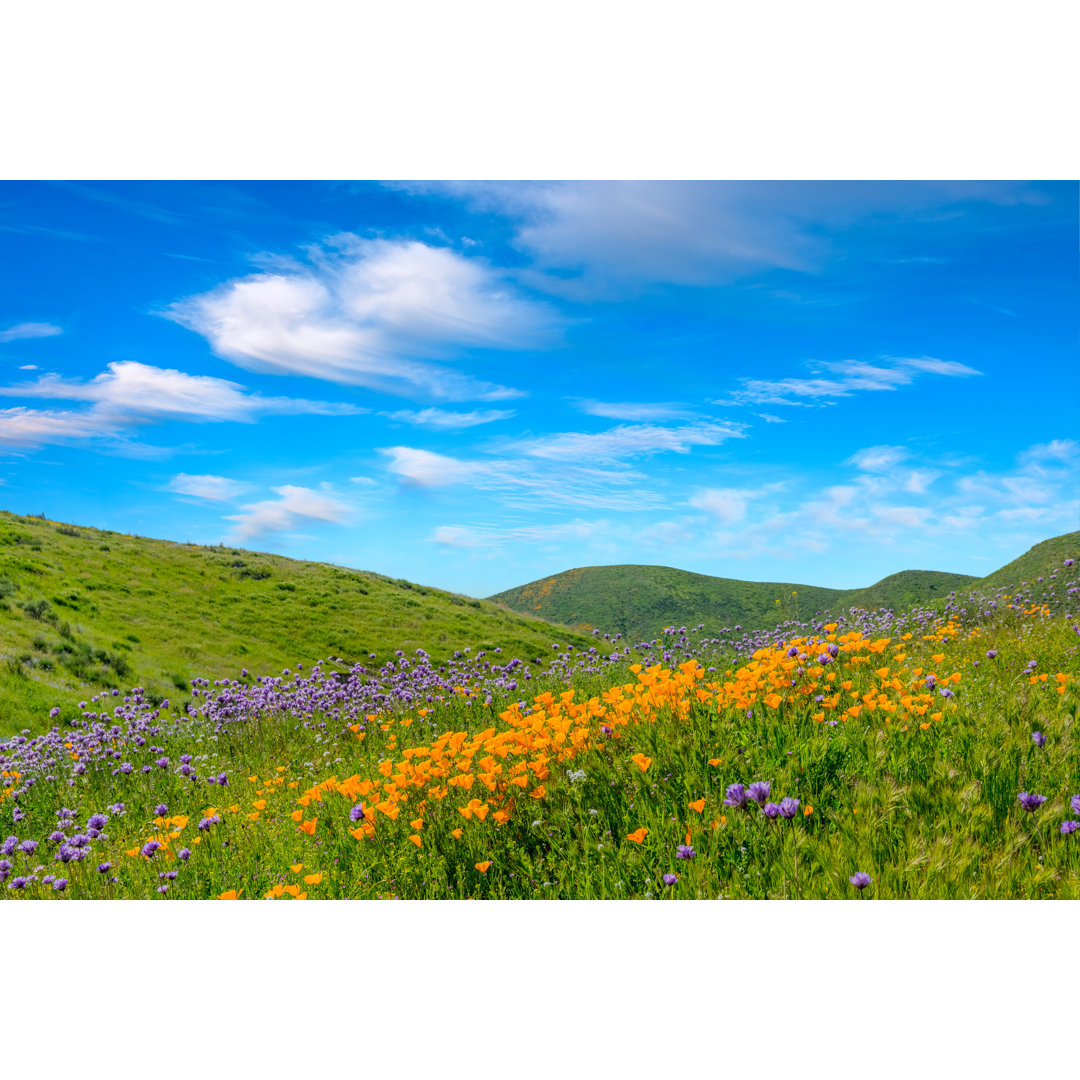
82 609
638 601
1044 560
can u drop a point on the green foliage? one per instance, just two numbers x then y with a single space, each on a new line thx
209 611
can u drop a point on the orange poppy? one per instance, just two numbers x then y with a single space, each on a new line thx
309 826
456 834
232 894
297 815
313 879
483 866
259 804
807 811
641 761
537 793
296 867
638 835
416 840
699 806
715 760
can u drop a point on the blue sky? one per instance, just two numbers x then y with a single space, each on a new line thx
473 385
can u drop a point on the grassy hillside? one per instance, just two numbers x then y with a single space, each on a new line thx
638 601
1042 561
82 609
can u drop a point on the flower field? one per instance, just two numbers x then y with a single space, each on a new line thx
929 755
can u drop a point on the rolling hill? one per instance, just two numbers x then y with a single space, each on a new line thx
83 609
637 601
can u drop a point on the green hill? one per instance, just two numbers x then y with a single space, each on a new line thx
637 601
1042 561
83 609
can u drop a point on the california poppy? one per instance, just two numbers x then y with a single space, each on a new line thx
699 806
416 840
309 826
232 894
296 867
483 866
313 879
641 761
638 835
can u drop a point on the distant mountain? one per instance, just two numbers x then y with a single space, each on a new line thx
83 609
638 601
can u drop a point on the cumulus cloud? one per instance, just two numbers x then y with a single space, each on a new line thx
213 488
443 420
370 313
294 507
28 330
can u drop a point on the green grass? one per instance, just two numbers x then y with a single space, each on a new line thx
637 601
83 609
928 814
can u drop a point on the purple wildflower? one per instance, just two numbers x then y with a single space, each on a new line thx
28 847
670 879
56 837
832 649
98 821
104 868
1074 802
150 848
771 810
991 653
184 854
736 796
222 779
9 845
162 763
685 851
1038 738
860 880
758 791
1031 802
357 812
59 884
788 806
1069 827
160 810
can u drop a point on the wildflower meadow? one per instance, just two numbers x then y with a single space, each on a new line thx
929 754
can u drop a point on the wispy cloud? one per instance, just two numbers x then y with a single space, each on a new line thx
294 507
25 330
370 313
843 379
443 420
626 441
212 488
598 239
633 410
130 392
467 536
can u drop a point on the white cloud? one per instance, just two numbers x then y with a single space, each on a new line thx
599 238
626 441
28 367
442 420
35 427
422 468
293 507
214 488
28 330
369 313
133 391
770 419
843 379
463 536
633 410
727 505
877 458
